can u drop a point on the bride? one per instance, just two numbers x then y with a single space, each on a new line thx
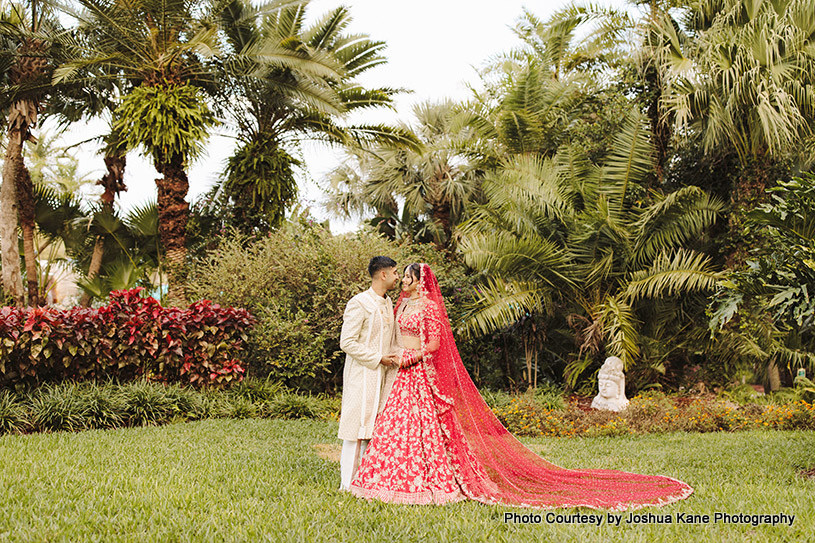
436 440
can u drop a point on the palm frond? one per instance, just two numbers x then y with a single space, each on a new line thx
527 184
675 219
327 28
357 97
620 327
529 259
384 135
499 304
682 272
357 53
143 220
793 358
629 161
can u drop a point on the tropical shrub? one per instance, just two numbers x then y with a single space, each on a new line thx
655 413
76 406
297 280
13 414
767 306
132 336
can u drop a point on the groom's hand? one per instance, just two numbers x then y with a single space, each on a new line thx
389 361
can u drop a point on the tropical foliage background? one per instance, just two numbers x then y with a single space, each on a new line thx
617 184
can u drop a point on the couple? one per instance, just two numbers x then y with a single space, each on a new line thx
415 429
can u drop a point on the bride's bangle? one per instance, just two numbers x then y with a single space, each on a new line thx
412 357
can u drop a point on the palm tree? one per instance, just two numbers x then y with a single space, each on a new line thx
92 94
28 40
156 47
749 87
744 83
284 81
565 231
550 90
132 255
433 184
54 170
11 275
530 111
56 212
615 43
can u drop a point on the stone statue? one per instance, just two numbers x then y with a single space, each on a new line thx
611 382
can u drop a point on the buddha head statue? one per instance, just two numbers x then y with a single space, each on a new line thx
611 384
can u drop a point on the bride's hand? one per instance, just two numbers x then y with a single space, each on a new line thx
413 358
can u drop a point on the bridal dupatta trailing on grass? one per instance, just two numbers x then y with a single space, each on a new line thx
437 441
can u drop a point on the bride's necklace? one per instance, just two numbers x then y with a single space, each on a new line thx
412 302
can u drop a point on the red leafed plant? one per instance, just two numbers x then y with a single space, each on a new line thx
131 336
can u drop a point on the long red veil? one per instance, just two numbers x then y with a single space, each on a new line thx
518 476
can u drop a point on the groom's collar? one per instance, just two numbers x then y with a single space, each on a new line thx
376 296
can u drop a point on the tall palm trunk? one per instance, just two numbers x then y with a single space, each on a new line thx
173 212
12 278
749 191
94 268
113 183
25 211
773 376
655 78
660 123
31 67
440 211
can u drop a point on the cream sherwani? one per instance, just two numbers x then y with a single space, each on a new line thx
368 334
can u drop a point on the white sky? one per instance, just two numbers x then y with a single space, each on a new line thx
433 48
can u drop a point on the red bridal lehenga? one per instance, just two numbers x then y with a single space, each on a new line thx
436 441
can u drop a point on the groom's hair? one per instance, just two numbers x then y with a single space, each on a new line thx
380 263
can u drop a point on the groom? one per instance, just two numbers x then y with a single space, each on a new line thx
368 338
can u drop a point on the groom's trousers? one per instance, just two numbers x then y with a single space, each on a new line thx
351 456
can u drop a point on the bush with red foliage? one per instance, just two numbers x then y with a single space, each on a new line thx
132 336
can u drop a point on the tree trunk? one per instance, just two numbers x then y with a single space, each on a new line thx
441 216
113 183
30 67
528 360
113 180
749 191
173 212
660 126
93 269
510 373
25 210
12 278
659 119
773 376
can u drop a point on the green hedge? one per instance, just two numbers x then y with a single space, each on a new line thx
71 406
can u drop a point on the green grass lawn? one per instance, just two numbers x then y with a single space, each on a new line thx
260 479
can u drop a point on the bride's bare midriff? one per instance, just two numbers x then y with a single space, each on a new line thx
411 342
